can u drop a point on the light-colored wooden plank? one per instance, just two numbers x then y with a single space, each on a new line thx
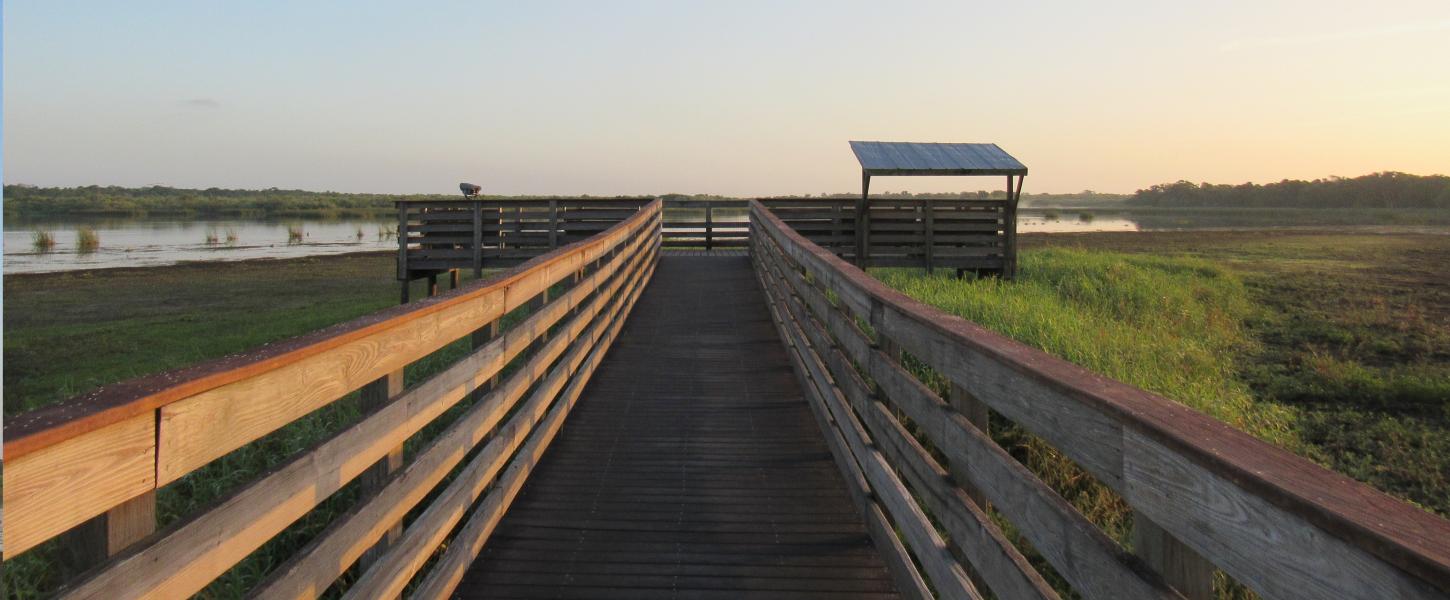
1293 559
193 554
909 581
206 426
388 578
342 544
946 575
1095 565
63 485
971 530
443 578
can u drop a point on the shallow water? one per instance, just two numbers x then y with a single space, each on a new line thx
155 242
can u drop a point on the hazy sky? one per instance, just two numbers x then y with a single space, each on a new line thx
739 98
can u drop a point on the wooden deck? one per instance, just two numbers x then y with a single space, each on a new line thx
691 468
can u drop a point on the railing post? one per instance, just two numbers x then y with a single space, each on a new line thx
1179 565
478 339
403 274
375 395
976 413
863 223
709 228
553 224
91 543
929 224
477 240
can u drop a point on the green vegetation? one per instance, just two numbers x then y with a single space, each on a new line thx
1333 346
1051 215
1377 190
61 341
42 240
295 234
212 237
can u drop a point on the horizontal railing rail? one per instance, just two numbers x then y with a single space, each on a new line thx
99 454
706 224
967 234
442 235
1204 495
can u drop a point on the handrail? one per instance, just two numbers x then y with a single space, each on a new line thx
97 452
1272 520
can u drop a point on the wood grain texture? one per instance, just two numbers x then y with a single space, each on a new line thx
114 403
1087 415
970 529
1293 559
445 575
946 575
908 578
63 485
193 554
427 532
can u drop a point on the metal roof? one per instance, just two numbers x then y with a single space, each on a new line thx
917 158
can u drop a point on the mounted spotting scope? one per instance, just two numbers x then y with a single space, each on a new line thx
470 190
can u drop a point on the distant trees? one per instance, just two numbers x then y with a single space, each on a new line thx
1377 190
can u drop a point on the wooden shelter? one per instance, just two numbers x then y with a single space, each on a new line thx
953 234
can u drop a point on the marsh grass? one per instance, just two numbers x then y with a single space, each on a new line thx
212 237
295 234
87 240
231 235
1085 217
42 240
386 233
359 234
1051 215
1170 325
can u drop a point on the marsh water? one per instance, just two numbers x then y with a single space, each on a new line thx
147 242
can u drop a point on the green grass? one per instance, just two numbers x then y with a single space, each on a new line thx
1169 325
61 339
1333 346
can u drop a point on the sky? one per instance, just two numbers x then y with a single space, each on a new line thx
738 98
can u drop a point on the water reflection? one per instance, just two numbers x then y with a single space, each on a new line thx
154 242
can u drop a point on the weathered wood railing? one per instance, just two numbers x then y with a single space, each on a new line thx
441 235
706 224
975 234
925 465
105 455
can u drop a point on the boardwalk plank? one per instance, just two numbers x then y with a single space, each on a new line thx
692 468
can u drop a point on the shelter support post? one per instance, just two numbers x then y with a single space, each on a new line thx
863 223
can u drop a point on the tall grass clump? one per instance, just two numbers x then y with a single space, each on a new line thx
1165 324
359 234
294 234
87 240
42 240
231 235
212 237
1085 217
386 233
1171 325
1051 215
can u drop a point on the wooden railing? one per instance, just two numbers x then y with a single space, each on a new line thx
977 235
1204 495
104 455
440 235
706 224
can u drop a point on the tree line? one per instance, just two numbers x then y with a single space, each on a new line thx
1377 190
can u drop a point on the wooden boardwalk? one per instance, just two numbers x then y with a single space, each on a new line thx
692 467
